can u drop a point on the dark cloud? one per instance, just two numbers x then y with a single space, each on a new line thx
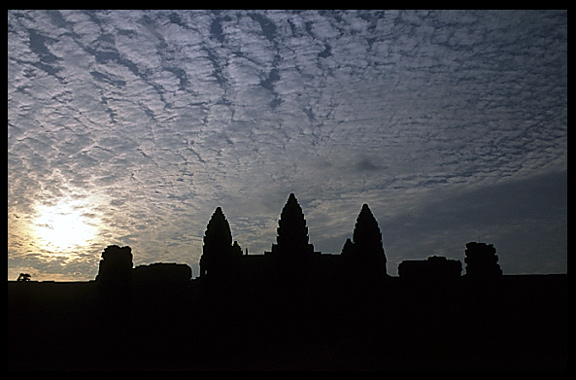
165 115
365 164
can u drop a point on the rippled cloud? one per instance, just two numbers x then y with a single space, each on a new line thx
155 118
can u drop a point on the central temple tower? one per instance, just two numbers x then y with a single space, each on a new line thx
292 239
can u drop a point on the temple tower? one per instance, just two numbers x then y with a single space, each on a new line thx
292 239
481 261
218 252
365 253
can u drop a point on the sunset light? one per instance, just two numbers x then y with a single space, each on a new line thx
64 226
130 127
236 189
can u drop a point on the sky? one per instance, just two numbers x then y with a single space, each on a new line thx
131 127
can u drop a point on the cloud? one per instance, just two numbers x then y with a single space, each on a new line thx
165 115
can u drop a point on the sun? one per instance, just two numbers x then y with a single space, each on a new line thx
64 226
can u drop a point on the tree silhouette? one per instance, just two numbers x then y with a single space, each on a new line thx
218 249
365 253
292 239
23 277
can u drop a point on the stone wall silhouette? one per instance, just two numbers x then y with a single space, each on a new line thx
433 268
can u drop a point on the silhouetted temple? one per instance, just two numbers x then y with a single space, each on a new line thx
481 261
365 255
218 252
115 265
292 239
292 308
293 256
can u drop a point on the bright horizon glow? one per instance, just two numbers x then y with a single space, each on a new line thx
63 227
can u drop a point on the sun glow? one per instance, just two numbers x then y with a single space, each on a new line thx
66 225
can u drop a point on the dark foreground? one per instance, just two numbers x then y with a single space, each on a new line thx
513 323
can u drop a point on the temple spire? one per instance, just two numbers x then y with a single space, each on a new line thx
365 254
292 231
367 235
218 249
